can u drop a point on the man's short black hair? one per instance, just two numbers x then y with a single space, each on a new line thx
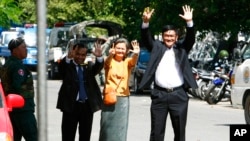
79 45
169 27
15 43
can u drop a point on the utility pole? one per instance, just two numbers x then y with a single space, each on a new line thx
41 71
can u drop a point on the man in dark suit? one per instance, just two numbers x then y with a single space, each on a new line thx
171 73
79 96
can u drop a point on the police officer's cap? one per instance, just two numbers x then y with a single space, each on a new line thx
15 43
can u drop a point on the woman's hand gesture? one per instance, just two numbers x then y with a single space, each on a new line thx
136 47
112 50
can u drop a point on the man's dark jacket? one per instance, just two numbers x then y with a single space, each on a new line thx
158 48
69 89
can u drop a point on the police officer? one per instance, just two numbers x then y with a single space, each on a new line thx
16 78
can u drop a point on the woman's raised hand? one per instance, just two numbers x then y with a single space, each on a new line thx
136 47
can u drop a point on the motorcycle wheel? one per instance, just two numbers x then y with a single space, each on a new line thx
194 93
201 89
211 96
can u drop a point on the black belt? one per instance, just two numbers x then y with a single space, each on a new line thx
169 90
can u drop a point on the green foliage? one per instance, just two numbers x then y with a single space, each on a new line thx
102 10
65 11
57 11
222 16
9 12
128 14
29 11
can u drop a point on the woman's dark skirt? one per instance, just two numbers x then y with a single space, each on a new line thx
114 121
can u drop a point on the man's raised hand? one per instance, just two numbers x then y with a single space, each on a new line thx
98 49
147 13
188 13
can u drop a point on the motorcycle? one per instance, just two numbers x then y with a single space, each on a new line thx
204 80
220 86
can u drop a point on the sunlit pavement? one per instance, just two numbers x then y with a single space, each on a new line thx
205 122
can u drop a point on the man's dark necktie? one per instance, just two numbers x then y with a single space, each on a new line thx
82 92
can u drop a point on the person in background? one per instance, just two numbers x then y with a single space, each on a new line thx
117 66
107 42
70 50
16 78
170 70
79 96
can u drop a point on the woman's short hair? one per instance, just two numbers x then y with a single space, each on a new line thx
127 44
123 40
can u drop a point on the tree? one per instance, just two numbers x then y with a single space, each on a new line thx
57 11
29 11
9 13
66 11
222 16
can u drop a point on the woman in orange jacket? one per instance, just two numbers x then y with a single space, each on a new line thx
118 66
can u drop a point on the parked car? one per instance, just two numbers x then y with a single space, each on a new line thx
139 71
30 37
57 42
7 103
29 33
240 80
5 38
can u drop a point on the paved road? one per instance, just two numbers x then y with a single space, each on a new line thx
205 122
